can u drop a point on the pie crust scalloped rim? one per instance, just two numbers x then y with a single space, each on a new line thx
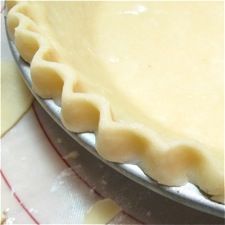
172 163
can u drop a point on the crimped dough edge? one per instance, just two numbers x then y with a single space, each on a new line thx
170 163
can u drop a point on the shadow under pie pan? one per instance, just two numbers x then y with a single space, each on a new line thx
187 194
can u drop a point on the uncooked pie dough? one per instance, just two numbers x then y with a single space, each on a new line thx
102 212
15 97
146 77
2 218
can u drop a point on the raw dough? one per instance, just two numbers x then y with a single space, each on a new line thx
15 97
158 67
2 218
164 62
102 212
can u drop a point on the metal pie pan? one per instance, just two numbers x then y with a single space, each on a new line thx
187 194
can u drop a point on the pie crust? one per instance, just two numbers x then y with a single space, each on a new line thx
170 124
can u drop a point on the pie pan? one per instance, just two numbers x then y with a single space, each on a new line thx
187 194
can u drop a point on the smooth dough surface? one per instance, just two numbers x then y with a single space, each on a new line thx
102 212
15 97
159 64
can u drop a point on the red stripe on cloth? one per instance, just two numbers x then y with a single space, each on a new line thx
18 198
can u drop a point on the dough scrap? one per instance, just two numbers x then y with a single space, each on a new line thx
102 212
2 218
15 96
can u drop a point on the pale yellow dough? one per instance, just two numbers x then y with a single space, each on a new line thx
158 67
2 218
102 212
15 97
